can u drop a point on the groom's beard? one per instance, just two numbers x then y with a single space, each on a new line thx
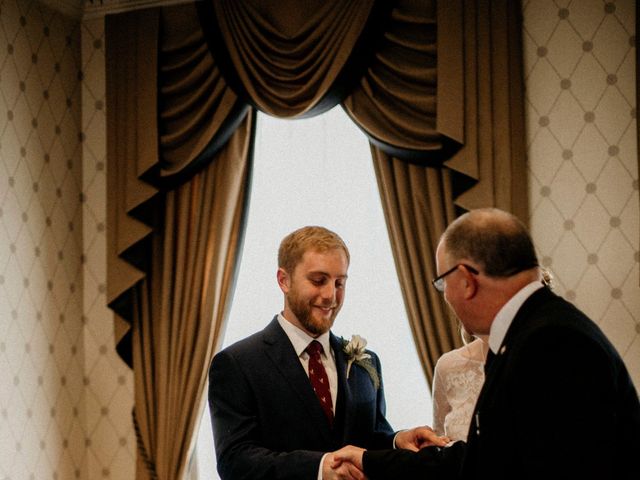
309 317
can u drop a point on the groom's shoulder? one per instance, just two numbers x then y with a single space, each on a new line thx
375 359
245 344
252 343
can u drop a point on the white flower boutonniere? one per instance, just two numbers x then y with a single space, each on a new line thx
356 353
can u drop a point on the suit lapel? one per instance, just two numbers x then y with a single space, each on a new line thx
494 374
519 326
344 402
279 349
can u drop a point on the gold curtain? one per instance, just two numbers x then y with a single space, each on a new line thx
408 103
418 204
458 155
398 100
287 55
494 151
198 111
182 304
436 87
175 231
131 152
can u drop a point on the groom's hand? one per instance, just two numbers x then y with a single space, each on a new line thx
345 463
419 437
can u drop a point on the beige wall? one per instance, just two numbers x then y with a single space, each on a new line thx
66 399
42 399
583 159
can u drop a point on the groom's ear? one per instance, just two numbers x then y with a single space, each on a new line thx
284 280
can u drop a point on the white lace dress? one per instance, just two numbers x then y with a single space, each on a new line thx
457 380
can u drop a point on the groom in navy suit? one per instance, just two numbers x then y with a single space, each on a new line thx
284 398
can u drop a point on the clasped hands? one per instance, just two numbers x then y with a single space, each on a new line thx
346 463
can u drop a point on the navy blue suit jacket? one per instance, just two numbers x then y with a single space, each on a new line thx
267 420
557 403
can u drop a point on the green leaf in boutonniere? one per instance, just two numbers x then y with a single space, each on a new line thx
356 353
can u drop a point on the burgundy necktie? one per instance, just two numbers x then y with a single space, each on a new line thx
319 379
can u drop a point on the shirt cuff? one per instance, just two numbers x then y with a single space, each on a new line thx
320 467
394 438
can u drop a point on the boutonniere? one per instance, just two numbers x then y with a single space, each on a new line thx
356 353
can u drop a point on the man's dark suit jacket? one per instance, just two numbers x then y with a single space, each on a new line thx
267 420
557 403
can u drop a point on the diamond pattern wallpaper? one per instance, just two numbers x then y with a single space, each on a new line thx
583 158
66 398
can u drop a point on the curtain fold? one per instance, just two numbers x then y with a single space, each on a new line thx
396 100
182 303
132 152
197 111
494 152
285 57
418 205
179 151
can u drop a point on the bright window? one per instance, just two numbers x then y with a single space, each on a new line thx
319 171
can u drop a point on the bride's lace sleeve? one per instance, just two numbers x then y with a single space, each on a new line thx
441 406
457 381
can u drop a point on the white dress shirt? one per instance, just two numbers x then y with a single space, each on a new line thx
507 313
300 340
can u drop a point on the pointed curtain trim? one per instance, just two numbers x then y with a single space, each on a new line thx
417 203
182 303
132 152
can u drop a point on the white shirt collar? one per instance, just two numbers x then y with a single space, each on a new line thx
507 313
301 339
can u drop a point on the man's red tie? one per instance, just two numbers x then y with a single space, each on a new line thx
319 379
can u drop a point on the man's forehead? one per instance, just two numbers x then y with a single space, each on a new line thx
322 262
325 273
323 253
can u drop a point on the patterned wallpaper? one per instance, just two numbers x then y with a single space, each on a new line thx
42 400
66 398
583 158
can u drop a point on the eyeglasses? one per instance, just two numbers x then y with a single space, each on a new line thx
438 282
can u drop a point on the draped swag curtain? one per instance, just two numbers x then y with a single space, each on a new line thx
437 89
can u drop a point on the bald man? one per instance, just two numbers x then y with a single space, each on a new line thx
557 401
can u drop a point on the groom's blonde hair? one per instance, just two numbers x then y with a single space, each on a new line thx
314 238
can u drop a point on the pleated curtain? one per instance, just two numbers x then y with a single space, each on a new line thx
437 89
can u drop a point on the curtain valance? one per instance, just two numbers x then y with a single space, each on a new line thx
292 58
428 82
